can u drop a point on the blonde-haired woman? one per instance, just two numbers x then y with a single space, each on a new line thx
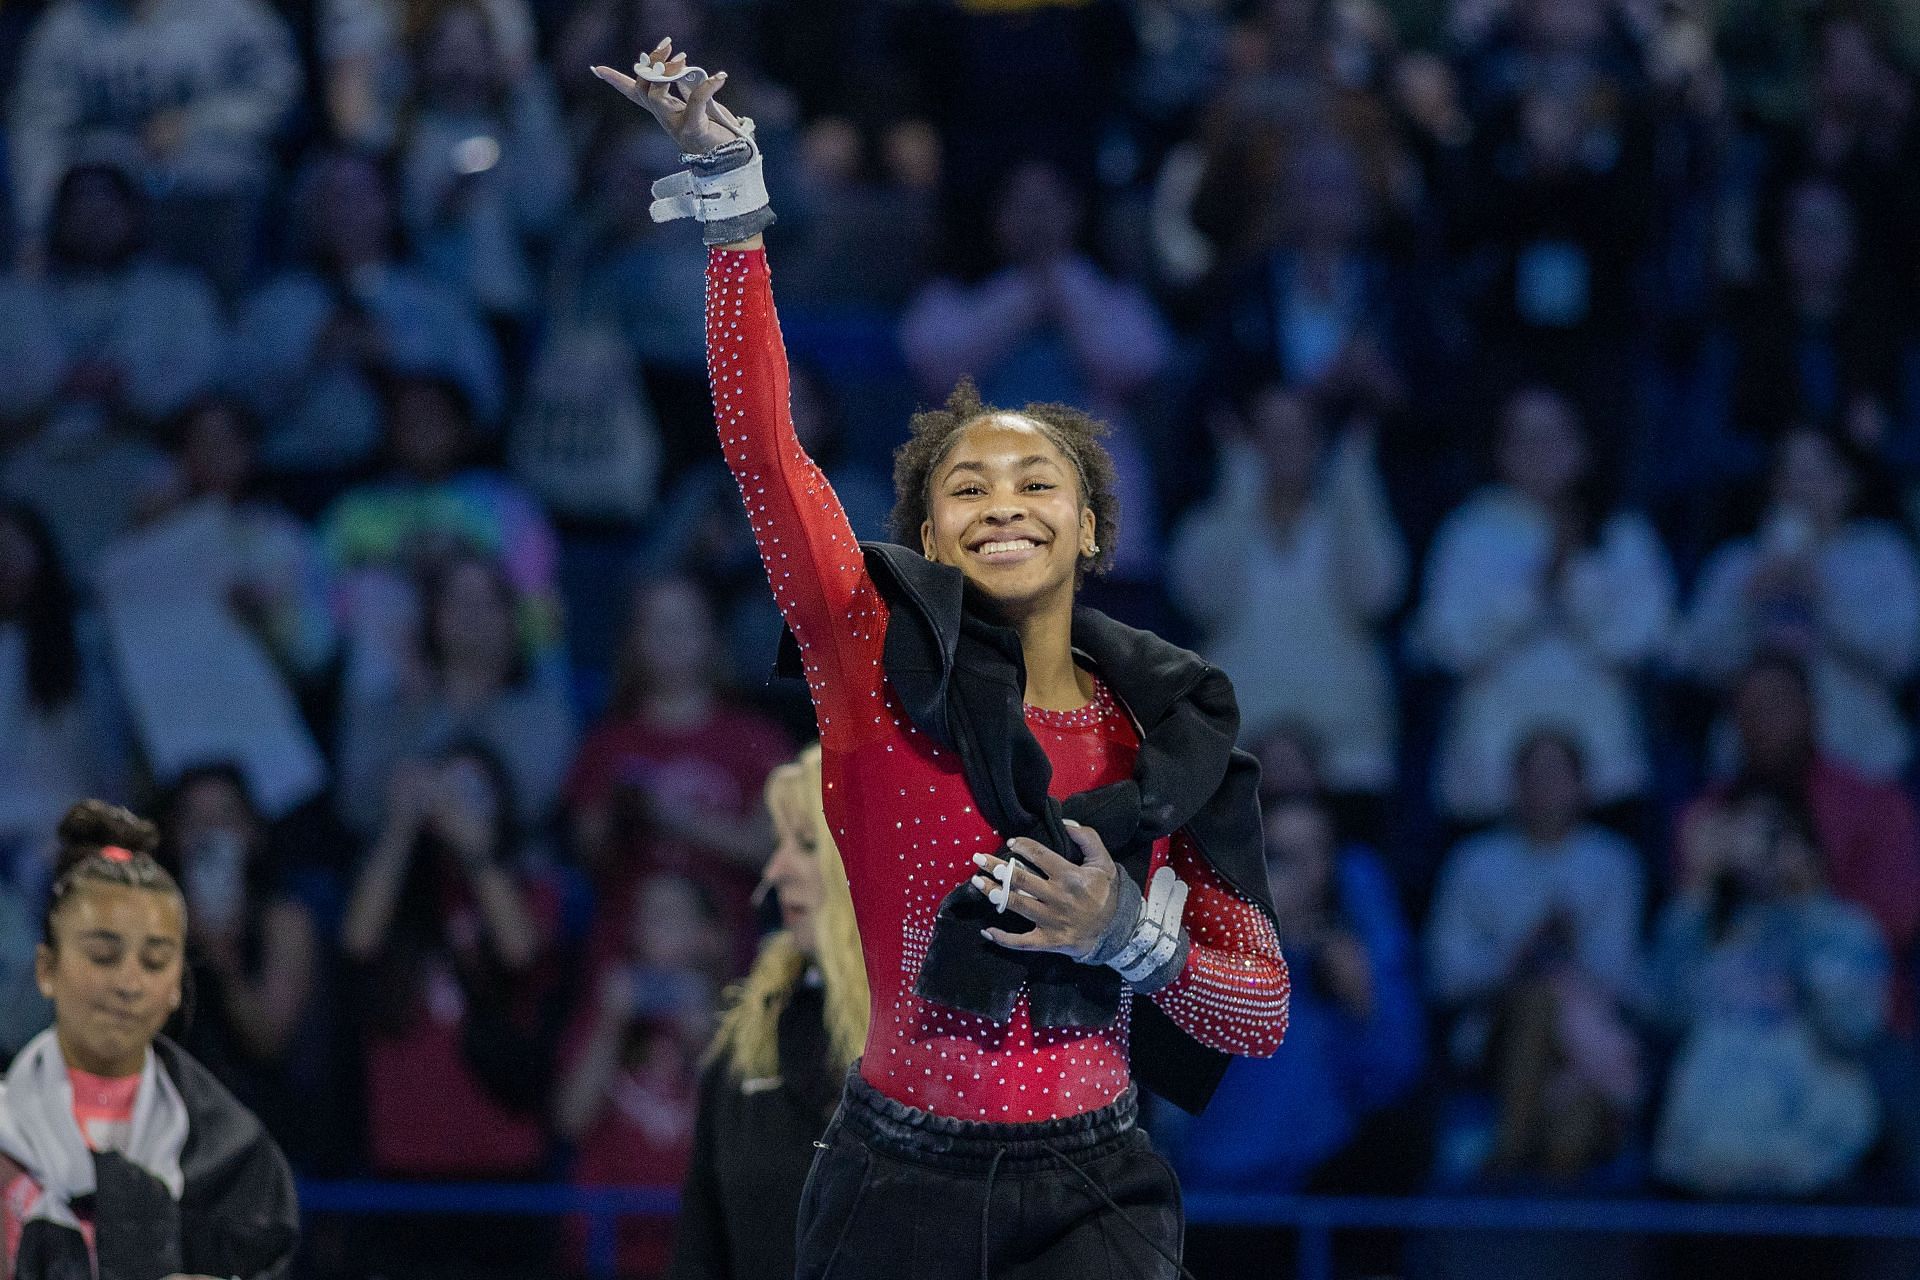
777 1064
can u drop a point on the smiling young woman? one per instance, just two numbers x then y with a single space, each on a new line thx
1052 845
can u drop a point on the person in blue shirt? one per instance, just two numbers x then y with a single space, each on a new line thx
1356 1043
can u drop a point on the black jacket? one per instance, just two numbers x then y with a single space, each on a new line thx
237 1215
751 1153
961 680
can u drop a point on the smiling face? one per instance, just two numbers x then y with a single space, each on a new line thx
1004 507
113 974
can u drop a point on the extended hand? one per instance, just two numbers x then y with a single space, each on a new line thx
1070 905
696 122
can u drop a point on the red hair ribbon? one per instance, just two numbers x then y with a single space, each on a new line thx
114 853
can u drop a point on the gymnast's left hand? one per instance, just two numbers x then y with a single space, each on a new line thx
1070 904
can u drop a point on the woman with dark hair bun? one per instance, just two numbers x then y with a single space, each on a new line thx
122 1156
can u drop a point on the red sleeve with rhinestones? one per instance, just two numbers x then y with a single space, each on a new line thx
1233 993
813 561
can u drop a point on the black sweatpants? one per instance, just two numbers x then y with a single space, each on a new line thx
895 1192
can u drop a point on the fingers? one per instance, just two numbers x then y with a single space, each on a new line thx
1012 898
1035 940
1045 860
626 84
702 95
1092 847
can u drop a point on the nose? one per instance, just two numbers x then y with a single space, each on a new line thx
780 866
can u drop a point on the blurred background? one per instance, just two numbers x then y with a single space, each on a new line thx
1519 398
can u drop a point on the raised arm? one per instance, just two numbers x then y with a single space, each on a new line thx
813 560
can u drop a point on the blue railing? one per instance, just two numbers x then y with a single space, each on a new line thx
1316 1218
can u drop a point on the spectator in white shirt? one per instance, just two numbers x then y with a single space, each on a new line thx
1823 580
1290 568
189 92
1533 947
1545 606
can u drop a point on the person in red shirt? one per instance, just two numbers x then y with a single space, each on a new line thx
1868 831
966 709
454 943
670 780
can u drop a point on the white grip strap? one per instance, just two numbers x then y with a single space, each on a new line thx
686 194
1157 936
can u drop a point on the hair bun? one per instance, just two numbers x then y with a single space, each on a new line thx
94 823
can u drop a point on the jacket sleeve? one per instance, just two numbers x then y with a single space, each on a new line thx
700 1232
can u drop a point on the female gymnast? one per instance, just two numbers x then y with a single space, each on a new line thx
120 1156
1052 846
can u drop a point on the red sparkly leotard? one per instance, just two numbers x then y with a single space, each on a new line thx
899 805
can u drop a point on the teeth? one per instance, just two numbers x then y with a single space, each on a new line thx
994 548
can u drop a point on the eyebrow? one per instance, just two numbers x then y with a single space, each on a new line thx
1036 459
108 935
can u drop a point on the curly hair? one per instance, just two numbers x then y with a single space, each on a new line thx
932 433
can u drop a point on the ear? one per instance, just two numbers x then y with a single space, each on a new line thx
1089 542
43 961
926 538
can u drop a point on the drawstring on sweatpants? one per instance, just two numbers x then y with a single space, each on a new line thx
1112 1204
986 1212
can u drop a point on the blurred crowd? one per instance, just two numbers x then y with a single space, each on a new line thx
1518 398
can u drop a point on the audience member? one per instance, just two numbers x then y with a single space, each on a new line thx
279 578
485 168
191 92
1824 579
1545 605
453 934
1776 988
613 265
1048 325
312 343
1819 341
54 731
626 1097
104 341
472 678
1533 950
670 779
1319 307
431 503
1867 831
1290 568
255 958
367 69
1355 1032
